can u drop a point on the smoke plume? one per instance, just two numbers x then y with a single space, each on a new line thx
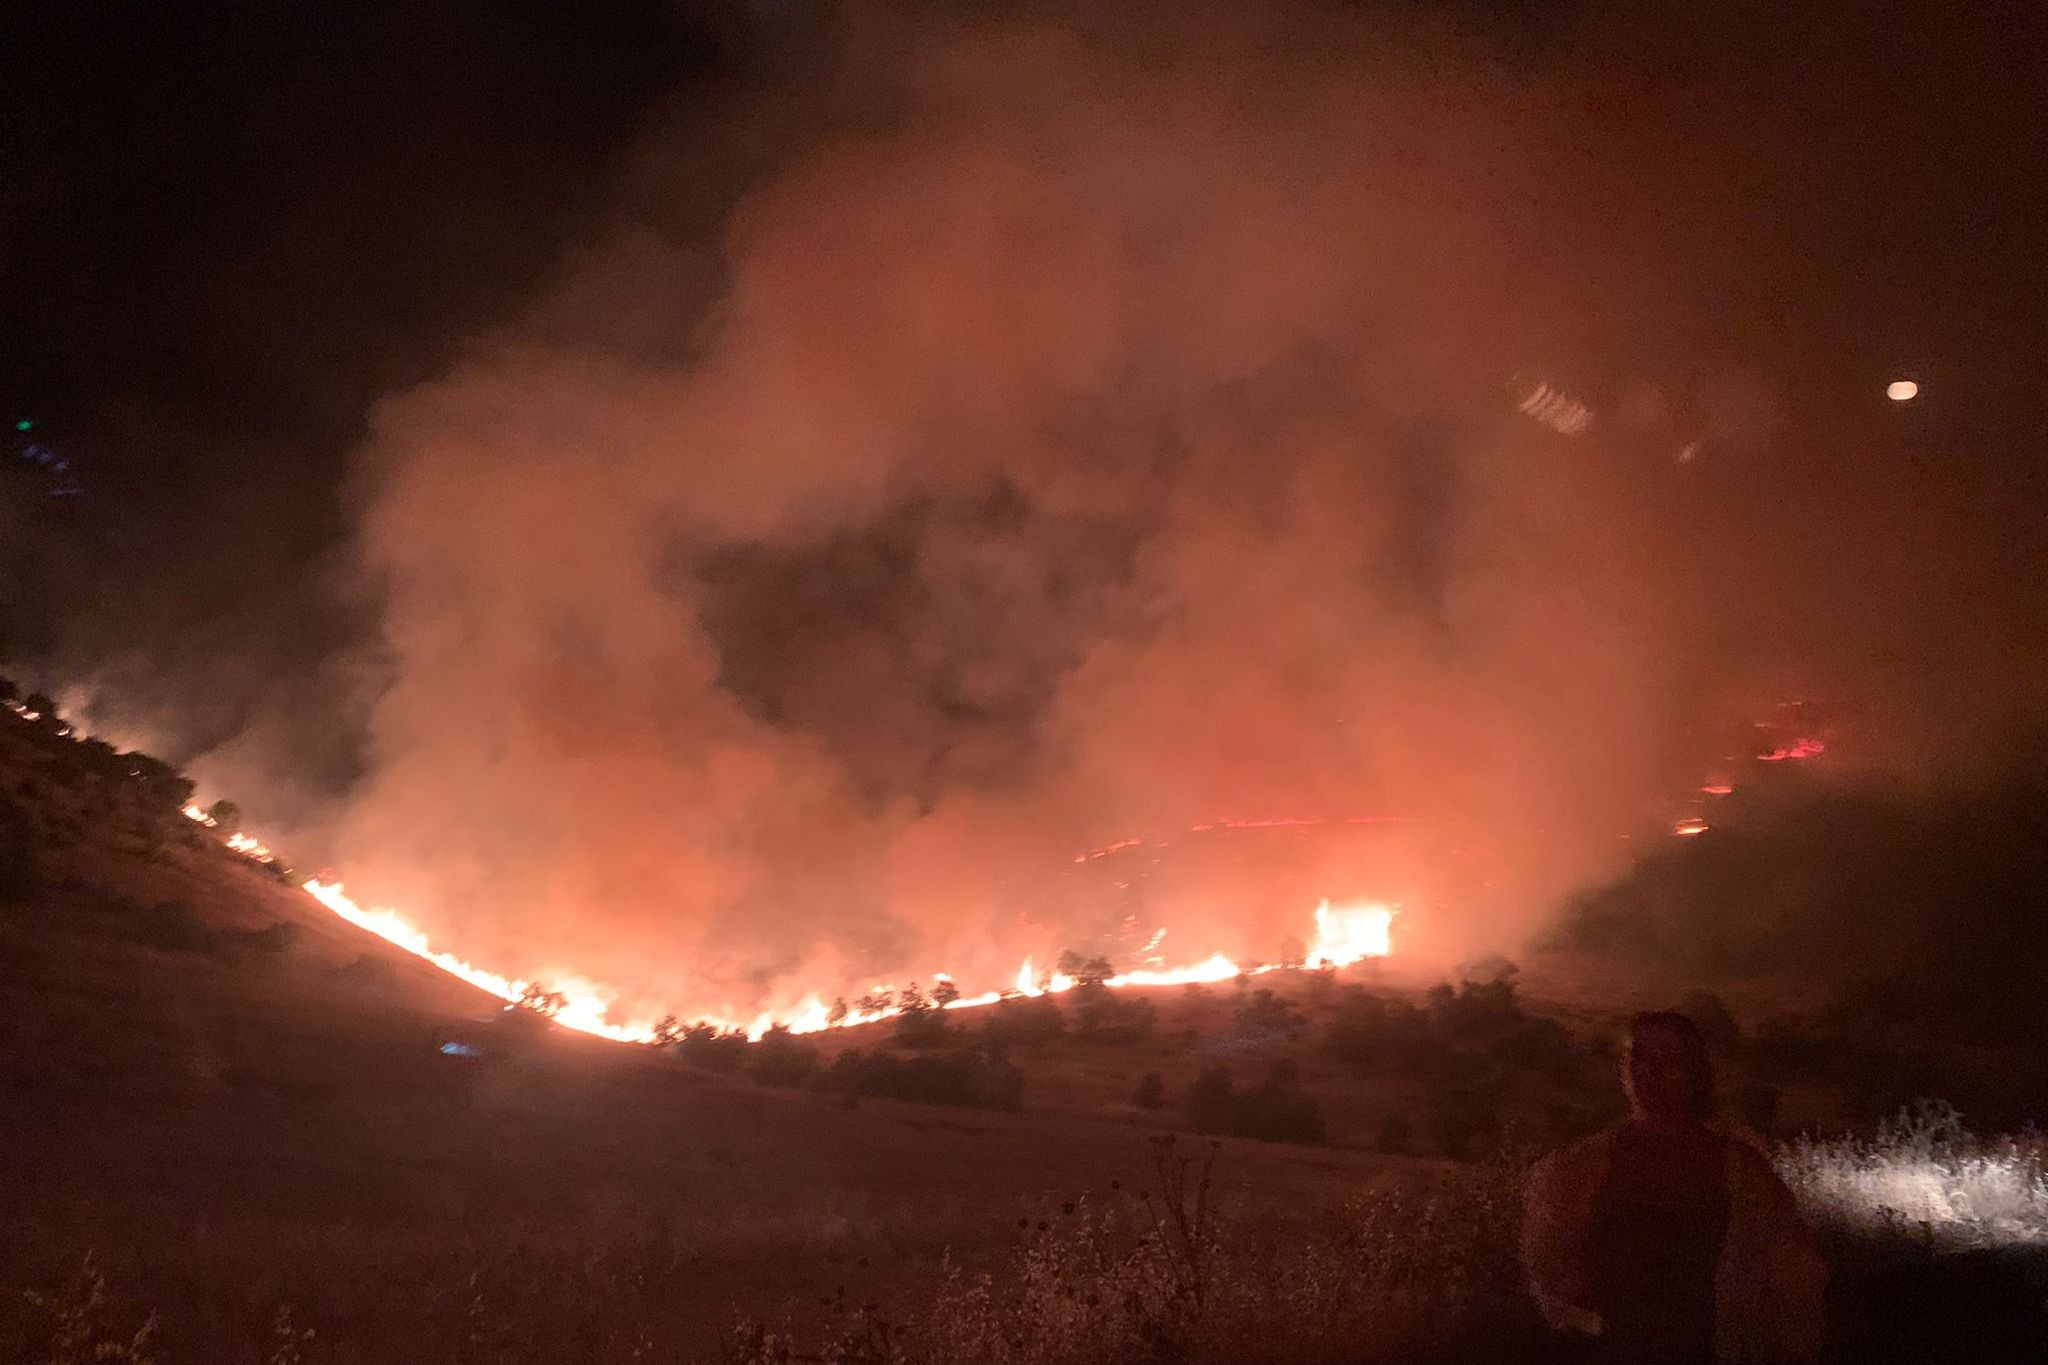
1096 433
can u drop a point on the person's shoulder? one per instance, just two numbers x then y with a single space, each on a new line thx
1576 1160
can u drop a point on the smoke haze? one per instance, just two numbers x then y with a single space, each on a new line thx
1005 437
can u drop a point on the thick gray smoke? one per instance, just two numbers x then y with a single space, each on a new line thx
1096 435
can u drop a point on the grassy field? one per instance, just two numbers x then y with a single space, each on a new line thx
234 1141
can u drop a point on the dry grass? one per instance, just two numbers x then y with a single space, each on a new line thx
1159 1276
1924 1177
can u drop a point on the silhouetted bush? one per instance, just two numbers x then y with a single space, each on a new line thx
1276 1111
1264 1014
21 879
1151 1092
277 938
102 758
964 1078
172 927
779 1057
1102 1016
1027 1019
1085 971
542 1001
921 1023
711 1049
1372 1030
1462 1032
1464 1120
162 785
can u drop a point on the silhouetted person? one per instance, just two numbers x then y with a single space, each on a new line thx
1664 1239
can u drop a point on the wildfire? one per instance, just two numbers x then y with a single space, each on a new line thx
1351 933
1797 749
1344 934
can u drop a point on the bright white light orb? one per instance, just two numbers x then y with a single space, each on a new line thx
1902 390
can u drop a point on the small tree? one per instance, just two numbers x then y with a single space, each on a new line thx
945 992
921 1023
161 784
1151 1091
225 815
874 1002
705 1045
1263 1013
781 1058
836 1016
1085 971
668 1031
542 1001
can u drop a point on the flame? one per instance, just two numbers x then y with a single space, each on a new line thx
1797 749
1344 934
1686 829
1350 933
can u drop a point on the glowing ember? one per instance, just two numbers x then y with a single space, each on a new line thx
1107 849
1797 749
1350 933
1902 390
1718 788
1686 829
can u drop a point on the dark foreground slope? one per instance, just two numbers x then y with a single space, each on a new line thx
231 1133
239 1105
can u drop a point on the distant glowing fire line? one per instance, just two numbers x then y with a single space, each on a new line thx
1344 934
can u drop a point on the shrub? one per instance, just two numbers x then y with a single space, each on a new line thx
21 878
1264 1014
1464 1119
1151 1092
1100 1016
1029 1019
1395 1135
172 927
1276 1111
781 1058
1371 1030
162 785
281 937
712 1049
542 1001
921 1023
965 1078
1085 971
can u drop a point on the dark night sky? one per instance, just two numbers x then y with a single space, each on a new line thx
226 229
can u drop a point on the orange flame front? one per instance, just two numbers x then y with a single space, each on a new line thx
1344 934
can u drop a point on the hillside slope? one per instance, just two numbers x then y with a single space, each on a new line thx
239 1102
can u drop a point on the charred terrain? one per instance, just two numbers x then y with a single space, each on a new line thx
241 1129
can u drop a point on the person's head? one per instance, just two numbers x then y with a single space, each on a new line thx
1666 1070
